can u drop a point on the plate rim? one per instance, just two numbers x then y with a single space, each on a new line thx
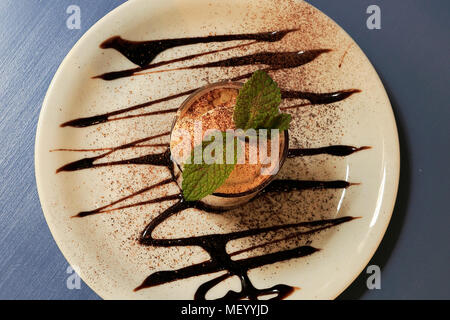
396 145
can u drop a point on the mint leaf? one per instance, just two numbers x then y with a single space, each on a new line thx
280 121
200 180
257 104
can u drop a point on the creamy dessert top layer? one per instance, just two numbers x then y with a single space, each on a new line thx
214 110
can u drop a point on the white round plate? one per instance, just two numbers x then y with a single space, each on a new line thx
103 247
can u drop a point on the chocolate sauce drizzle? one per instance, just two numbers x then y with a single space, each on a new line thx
89 162
215 244
163 158
108 76
314 98
143 53
220 259
107 208
102 118
273 61
337 150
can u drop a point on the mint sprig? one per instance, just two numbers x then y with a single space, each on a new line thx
257 104
202 179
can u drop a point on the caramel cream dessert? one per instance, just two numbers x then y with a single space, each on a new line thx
213 107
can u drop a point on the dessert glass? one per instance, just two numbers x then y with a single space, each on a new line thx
228 200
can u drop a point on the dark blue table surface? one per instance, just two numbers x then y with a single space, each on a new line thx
411 53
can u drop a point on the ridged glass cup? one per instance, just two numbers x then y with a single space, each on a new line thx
225 201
